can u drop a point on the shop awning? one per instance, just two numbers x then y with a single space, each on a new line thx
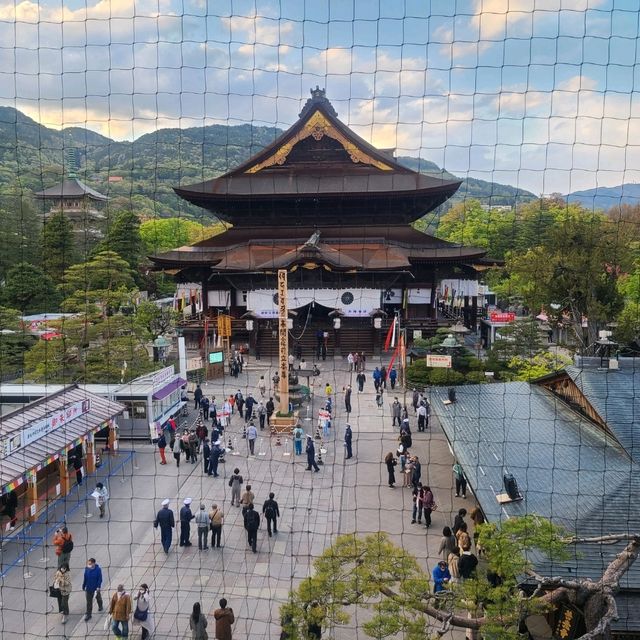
168 389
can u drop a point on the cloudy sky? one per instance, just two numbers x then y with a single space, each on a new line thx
541 94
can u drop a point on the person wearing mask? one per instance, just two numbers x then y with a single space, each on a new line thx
422 417
448 543
120 611
262 414
216 519
197 396
101 496
417 494
262 386
311 455
396 412
428 505
91 584
185 523
224 619
62 582
198 623
461 481
347 399
360 380
63 542
271 512
142 614
270 407
298 434
176 449
235 482
162 445
214 458
164 520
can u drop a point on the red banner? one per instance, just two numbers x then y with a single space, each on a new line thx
496 316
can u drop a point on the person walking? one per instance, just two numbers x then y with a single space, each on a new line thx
214 458
142 614
376 378
361 379
63 542
379 397
224 619
348 437
162 445
91 585
164 520
62 582
202 523
270 407
120 610
298 434
248 498
350 361
252 436
262 386
415 399
176 449
206 456
347 399
396 412
216 520
393 376
461 481
422 417
251 524
311 455
383 377
198 623
239 398
262 414
271 512
197 396
391 463
185 523
235 482
101 496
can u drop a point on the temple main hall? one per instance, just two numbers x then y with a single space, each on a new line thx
337 214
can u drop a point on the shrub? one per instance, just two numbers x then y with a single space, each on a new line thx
445 377
476 377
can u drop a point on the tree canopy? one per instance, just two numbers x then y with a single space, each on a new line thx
29 289
58 246
164 234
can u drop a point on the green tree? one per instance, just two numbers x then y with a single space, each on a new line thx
29 289
14 341
152 321
20 231
374 574
575 271
58 246
123 238
105 281
54 361
163 234
468 223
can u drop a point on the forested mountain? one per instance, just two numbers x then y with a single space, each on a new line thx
607 197
153 164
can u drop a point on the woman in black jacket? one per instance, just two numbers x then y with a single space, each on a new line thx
391 462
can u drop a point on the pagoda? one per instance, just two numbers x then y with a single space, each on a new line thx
335 212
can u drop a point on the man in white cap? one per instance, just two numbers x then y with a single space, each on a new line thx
164 520
185 523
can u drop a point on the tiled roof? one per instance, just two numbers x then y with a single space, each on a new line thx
568 469
71 188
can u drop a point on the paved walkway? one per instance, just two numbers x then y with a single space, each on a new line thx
345 496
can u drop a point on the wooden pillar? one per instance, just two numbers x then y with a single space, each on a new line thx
473 318
64 474
283 341
32 497
113 439
434 296
90 454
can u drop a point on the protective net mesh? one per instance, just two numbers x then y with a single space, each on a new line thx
462 215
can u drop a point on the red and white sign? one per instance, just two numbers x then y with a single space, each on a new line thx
439 362
496 316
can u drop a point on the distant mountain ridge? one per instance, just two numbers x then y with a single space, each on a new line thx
154 163
606 197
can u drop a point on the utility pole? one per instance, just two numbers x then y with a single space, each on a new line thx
283 341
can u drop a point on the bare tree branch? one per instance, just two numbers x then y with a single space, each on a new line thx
611 538
621 564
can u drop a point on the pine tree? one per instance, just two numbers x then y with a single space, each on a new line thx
58 246
124 238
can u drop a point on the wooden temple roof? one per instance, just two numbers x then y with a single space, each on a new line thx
70 188
320 170
338 248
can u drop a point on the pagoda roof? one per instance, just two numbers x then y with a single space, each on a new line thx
72 187
322 169
350 248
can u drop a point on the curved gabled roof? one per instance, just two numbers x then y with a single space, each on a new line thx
70 188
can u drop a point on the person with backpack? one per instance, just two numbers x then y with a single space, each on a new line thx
262 414
252 524
63 542
235 482
271 512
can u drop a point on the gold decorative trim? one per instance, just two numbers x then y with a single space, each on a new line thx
318 126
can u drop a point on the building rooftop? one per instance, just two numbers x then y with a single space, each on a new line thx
70 188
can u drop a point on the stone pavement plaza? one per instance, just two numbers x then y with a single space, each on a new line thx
345 496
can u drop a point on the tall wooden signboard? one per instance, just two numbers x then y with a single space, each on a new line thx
283 341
